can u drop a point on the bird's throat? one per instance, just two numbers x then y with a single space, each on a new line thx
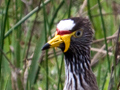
78 72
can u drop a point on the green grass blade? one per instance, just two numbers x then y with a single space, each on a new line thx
24 19
69 10
104 80
60 73
55 14
34 64
46 53
2 33
104 30
51 24
89 11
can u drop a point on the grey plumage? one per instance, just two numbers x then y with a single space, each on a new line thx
79 75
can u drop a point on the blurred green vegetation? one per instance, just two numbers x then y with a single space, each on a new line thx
25 25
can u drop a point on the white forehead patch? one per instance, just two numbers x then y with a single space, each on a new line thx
64 25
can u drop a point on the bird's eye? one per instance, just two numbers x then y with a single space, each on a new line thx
78 33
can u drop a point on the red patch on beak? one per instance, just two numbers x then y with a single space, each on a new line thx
63 32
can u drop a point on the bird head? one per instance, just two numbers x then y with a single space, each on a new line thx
70 33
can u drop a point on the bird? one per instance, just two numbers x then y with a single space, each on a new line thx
74 37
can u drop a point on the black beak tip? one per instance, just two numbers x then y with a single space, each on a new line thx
46 46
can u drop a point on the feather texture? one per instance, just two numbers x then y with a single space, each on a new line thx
79 75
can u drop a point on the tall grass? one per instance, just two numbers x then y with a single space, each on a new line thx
26 25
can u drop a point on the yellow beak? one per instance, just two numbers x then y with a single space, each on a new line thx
57 40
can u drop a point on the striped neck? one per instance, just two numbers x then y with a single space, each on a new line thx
78 72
